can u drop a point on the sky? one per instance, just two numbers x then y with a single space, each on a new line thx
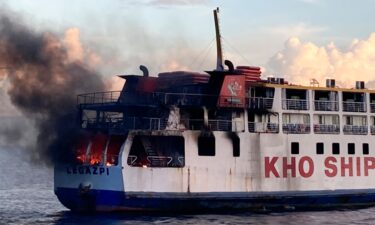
295 39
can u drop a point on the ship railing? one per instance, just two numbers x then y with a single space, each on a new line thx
355 129
127 123
166 98
132 160
295 104
372 107
296 128
353 106
145 123
148 123
160 161
157 161
181 160
192 124
326 105
98 98
259 103
326 128
259 127
372 129
108 123
220 125
186 98
214 125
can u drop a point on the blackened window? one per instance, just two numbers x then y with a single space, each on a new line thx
295 148
157 151
319 148
365 148
236 145
206 145
351 148
335 148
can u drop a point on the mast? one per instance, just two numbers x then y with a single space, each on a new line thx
219 62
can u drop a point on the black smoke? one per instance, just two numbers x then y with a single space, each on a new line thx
44 84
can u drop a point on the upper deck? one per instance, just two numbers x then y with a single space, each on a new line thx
233 100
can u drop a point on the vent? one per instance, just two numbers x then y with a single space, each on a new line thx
330 83
280 80
271 80
276 80
360 85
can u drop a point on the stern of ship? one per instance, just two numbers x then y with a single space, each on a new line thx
94 181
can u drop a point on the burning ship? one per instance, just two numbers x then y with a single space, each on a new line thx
224 139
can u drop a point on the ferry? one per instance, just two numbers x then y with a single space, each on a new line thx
225 139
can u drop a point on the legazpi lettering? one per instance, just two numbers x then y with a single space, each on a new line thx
88 170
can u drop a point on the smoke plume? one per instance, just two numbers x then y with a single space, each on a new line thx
45 75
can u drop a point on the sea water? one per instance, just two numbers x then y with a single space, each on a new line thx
26 197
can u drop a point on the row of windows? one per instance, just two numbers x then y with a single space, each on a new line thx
206 147
335 148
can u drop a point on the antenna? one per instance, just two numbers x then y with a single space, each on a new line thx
219 62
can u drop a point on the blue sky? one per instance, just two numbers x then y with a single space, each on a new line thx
154 31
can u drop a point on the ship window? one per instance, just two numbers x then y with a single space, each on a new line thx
319 148
349 120
236 145
98 144
335 148
295 148
157 151
113 149
351 148
206 145
365 148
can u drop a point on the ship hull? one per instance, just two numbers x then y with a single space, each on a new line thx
105 200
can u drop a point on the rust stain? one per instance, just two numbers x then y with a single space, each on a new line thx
188 187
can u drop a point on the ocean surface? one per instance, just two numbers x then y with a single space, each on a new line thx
26 197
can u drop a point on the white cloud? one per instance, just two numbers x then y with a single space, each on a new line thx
302 61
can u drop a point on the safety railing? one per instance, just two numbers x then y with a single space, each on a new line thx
291 128
326 105
145 123
372 128
98 98
353 106
326 128
295 104
258 127
355 129
156 161
259 103
132 160
159 161
182 99
372 107
220 125
213 125
126 123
